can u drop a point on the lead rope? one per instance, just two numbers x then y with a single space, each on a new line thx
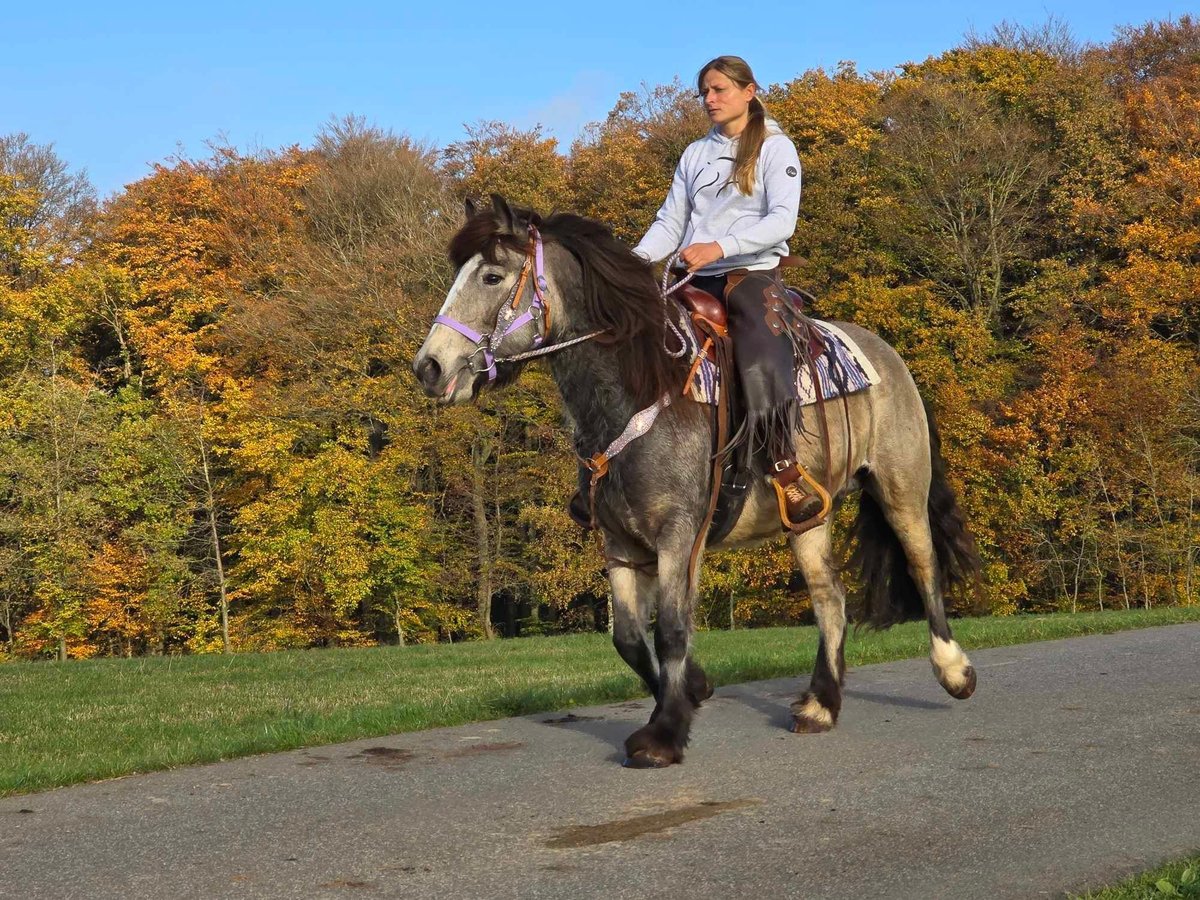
679 327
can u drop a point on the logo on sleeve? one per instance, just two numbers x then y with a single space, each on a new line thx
791 170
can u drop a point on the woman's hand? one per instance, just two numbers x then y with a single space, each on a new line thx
697 256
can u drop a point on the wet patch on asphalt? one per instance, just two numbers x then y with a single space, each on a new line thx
627 829
570 718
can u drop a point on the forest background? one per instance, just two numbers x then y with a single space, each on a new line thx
210 439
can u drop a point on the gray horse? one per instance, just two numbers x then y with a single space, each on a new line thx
593 308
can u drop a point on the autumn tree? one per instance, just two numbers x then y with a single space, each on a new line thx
621 168
967 183
523 166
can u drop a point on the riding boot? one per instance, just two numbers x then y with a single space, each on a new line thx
766 370
798 505
579 507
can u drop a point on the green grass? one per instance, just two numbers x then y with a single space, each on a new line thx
1177 879
62 723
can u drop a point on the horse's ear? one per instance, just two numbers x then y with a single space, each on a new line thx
470 207
504 213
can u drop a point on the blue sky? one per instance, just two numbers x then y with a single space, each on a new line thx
116 87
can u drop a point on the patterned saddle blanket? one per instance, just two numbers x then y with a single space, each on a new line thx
842 369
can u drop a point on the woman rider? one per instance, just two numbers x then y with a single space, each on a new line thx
732 207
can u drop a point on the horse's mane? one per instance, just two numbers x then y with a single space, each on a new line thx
619 291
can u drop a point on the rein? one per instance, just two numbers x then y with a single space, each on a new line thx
507 320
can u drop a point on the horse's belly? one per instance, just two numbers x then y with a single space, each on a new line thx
758 522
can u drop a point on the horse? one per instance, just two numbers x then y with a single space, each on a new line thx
594 310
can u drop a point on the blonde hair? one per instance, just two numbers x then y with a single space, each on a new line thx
751 139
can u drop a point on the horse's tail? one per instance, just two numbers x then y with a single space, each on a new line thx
957 555
889 593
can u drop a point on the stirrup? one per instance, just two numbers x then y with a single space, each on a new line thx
784 478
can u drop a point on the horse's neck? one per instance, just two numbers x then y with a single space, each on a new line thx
593 394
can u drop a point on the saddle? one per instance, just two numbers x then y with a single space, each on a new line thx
733 467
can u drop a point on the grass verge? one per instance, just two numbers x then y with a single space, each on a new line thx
1176 879
81 721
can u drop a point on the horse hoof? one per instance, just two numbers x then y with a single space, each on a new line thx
651 747
805 725
810 716
643 759
968 687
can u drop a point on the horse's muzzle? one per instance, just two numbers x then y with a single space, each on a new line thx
429 372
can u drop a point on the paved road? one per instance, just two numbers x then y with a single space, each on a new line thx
1074 764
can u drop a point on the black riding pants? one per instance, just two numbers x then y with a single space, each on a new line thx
765 361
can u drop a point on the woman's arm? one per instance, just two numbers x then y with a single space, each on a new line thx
781 184
664 235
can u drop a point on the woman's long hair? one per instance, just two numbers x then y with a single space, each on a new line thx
751 139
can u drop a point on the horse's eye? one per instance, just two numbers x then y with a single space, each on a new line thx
492 278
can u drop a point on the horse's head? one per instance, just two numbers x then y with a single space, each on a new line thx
495 308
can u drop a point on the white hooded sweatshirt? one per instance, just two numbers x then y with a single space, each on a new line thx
705 204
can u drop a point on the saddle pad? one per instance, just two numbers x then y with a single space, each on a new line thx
842 369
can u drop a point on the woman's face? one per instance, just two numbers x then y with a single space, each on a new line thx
723 100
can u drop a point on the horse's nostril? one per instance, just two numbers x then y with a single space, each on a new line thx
428 371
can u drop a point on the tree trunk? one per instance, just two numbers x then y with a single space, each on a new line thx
8 633
483 586
58 474
1189 543
215 535
1112 513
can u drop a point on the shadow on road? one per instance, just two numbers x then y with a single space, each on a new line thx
893 700
611 732
777 713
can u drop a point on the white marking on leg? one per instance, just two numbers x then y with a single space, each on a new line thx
673 676
813 709
673 672
949 663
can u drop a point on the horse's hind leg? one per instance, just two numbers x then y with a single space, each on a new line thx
818 707
950 664
909 519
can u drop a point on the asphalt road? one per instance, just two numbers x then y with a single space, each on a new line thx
1076 763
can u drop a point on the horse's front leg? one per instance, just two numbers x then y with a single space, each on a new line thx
682 685
635 594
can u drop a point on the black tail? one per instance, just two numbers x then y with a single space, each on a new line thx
889 594
957 555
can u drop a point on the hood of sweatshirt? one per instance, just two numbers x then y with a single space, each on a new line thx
714 133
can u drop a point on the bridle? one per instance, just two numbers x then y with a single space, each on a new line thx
508 321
